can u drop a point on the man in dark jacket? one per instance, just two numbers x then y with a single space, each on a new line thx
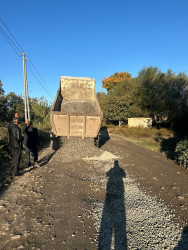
32 141
15 142
27 150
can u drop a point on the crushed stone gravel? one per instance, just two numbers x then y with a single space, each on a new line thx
79 106
147 222
126 218
77 148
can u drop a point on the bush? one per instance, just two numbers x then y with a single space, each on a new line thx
4 148
182 152
3 135
5 156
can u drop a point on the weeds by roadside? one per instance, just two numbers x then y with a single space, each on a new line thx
140 132
150 138
163 140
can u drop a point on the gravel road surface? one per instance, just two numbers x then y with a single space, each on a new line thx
117 197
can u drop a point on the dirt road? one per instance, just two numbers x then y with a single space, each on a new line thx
120 196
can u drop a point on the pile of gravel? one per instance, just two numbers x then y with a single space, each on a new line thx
105 156
78 106
130 217
76 149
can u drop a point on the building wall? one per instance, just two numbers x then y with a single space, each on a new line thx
140 122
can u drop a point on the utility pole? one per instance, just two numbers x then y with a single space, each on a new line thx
26 97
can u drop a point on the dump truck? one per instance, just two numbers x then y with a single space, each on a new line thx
76 111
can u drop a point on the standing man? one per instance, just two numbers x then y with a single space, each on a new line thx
15 116
15 142
27 150
32 141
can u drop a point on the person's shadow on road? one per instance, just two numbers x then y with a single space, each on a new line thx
104 137
183 243
113 223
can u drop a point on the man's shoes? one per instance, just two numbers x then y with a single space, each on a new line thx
29 164
36 164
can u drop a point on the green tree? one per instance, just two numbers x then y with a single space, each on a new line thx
163 93
116 109
15 104
125 87
128 89
176 99
100 96
40 110
151 90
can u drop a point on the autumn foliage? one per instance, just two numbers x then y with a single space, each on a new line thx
114 80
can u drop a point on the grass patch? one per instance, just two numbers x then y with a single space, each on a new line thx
163 140
140 132
150 138
152 145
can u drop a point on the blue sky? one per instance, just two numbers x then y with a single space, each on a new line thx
91 39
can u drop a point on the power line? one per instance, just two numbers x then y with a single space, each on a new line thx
12 35
20 51
38 74
9 41
29 67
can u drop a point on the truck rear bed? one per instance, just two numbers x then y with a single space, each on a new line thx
76 111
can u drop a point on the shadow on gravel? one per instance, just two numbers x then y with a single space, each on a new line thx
42 162
5 170
4 187
104 137
113 223
45 159
183 243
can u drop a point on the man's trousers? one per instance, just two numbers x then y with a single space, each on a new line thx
27 152
15 160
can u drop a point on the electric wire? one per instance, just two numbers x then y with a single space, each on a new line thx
29 67
29 61
21 51
9 41
11 34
